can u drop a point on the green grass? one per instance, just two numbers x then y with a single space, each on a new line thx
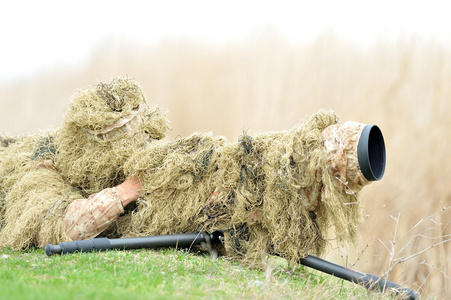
159 274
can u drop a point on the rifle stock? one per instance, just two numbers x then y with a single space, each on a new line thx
369 281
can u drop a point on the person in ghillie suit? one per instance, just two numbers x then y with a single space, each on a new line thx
43 174
109 170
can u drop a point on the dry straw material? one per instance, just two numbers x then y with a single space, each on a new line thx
271 192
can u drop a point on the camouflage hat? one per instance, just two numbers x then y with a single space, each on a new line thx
107 106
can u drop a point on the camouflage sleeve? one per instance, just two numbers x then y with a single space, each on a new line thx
86 218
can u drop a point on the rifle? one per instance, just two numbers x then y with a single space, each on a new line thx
369 281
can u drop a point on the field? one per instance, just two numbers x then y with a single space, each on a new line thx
161 274
266 83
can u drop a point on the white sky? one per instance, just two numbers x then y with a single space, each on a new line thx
36 34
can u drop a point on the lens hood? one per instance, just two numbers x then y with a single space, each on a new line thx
371 153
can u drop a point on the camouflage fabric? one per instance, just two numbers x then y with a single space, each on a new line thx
125 125
87 218
340 152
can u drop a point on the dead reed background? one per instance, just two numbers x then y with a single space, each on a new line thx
266 83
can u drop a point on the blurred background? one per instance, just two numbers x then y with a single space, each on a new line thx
234 66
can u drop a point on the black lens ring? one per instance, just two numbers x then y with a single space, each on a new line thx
371 153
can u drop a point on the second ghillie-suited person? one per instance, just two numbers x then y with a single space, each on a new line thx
276 192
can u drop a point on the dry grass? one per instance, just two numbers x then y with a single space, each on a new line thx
267 84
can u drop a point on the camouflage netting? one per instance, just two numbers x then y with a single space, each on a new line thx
271 192
41 174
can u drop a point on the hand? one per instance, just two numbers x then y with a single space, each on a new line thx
129 190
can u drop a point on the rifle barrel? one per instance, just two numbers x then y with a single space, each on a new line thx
369 281
102 244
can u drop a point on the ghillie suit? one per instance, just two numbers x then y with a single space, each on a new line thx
104 126
41 175
276 192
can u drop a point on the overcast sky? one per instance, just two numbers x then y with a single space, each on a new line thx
36 34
